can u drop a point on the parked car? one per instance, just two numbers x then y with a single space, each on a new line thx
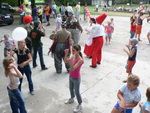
6 17
7 6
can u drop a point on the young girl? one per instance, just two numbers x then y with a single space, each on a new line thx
131 52
16 100
109 30
24 57
76 62
9 44
145 107
58 22
128 96
132 28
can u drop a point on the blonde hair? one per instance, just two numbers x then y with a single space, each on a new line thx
6 62
6 35
24 48
134 79
148 93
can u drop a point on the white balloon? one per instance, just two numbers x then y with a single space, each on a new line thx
19 34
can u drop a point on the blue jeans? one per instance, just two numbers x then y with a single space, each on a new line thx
132 34
40 52
27 70
74 86
84 15
55 13
35 18
16 101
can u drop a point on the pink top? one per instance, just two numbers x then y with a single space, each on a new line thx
109 29
76 72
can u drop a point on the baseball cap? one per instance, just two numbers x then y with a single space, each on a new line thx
134 40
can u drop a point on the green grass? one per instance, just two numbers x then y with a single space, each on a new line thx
110 13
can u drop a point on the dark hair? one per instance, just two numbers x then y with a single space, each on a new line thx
148 93
77 47
93 20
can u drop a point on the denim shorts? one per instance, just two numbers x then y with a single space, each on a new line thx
108 34
117 106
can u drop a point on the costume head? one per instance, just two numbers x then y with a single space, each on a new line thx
27 19
101 18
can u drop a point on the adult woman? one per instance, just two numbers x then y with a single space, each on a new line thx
88 48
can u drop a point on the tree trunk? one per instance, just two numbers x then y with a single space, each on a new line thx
113 2
107 2
20 2
50 2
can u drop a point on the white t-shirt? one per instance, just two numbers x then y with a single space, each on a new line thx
58 20
9 44
69 9
130 96
54 6
78 8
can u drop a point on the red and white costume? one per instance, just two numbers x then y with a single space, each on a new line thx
97 33
88 46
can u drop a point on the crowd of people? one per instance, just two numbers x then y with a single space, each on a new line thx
66 47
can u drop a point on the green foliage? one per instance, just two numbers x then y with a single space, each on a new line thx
11 2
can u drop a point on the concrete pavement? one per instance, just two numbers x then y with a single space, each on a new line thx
98 86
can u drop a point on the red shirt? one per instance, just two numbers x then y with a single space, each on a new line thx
133 27
109 29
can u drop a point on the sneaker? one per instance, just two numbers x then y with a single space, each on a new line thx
48 25
35 66
32 92
77 109
70 101
124 81
148 44
45 68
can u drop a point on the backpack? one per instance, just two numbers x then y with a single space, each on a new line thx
50 10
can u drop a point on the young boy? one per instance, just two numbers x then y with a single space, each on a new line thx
9 44
131 52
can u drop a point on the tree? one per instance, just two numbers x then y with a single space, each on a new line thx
32 3
50 2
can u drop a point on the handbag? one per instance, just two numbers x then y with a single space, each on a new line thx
53 46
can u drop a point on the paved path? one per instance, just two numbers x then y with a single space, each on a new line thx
98 87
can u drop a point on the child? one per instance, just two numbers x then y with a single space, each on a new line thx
76 62
112 22
132 28
9 44
109 30
88 15
148 37
128 96
58 22
24 57
16 100
131 52
145 107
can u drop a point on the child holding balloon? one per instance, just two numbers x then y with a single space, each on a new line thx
23 59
